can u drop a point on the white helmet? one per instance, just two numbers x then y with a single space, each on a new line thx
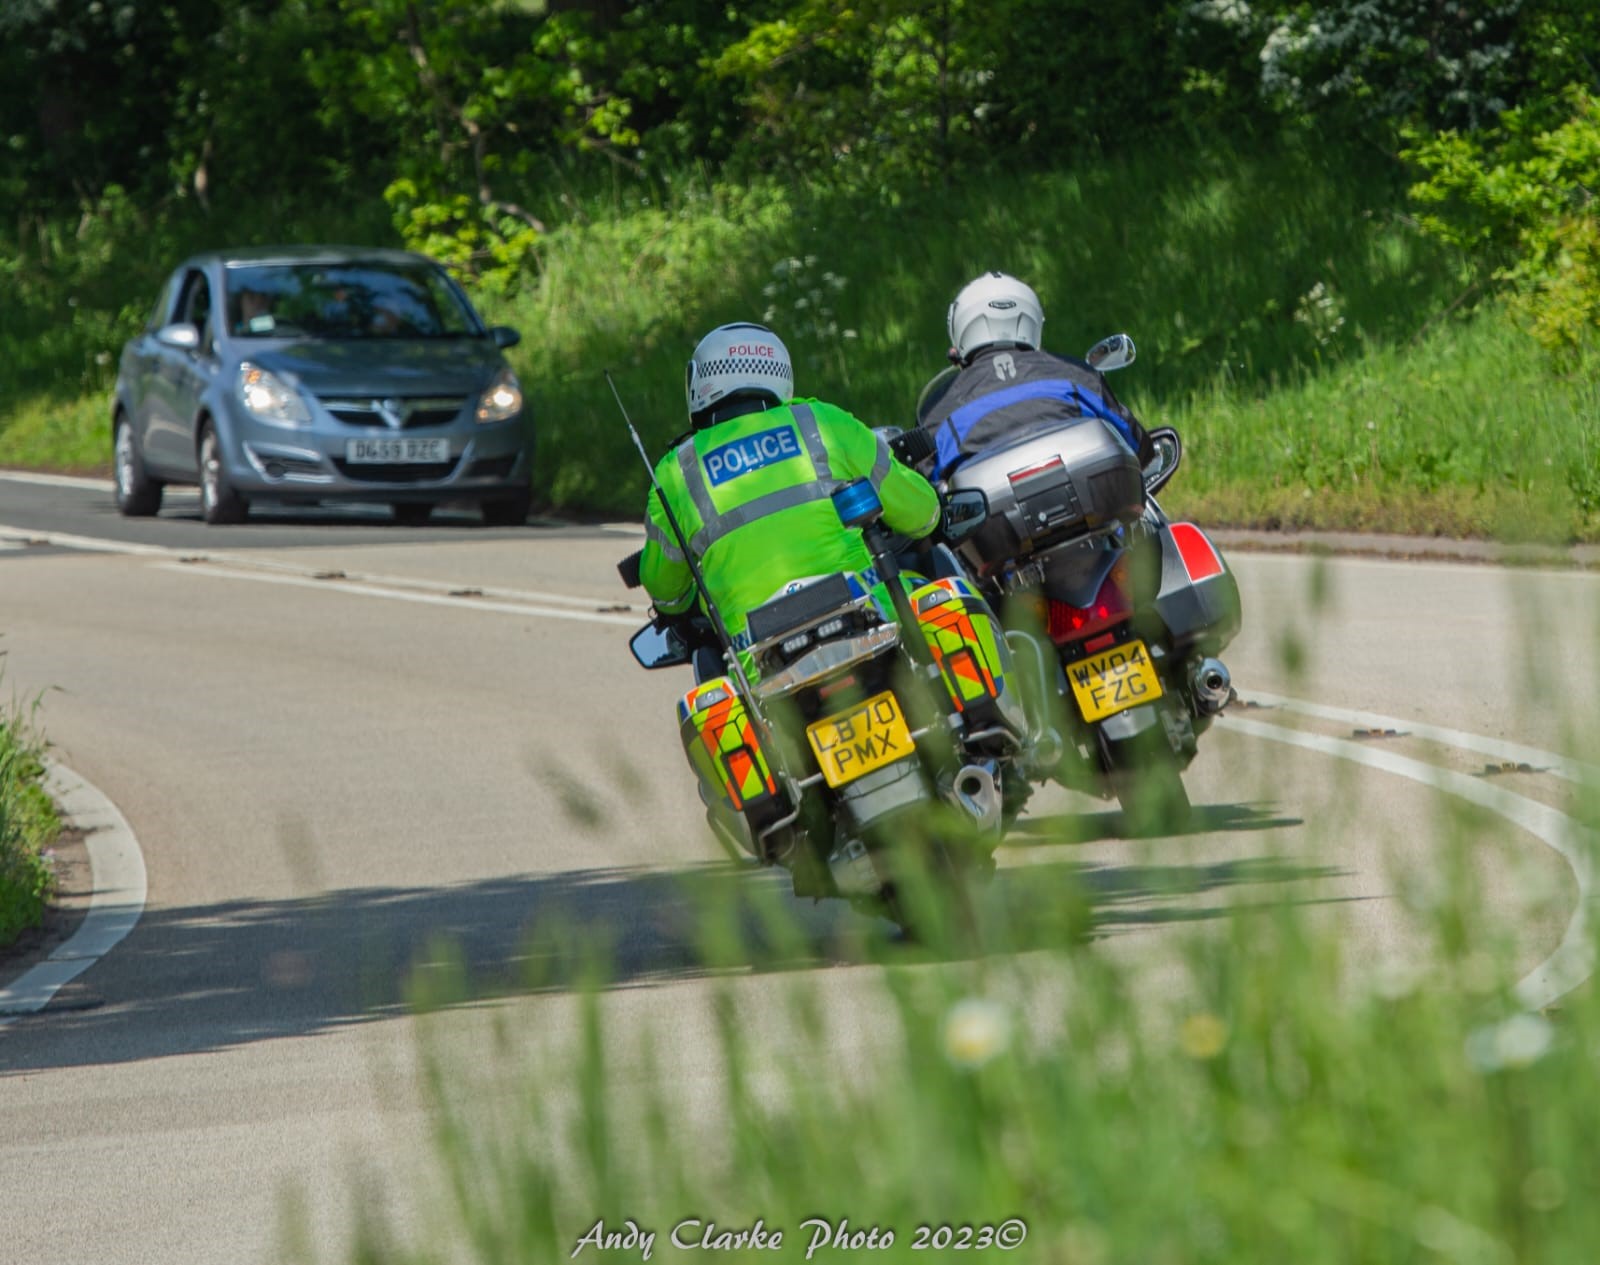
995 308
741 359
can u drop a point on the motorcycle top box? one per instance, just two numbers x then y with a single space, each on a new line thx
1047 487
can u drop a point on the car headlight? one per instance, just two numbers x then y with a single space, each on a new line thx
503 398
269 398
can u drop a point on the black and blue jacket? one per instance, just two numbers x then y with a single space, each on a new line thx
1005 392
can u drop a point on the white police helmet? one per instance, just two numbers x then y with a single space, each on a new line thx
994 308
734 360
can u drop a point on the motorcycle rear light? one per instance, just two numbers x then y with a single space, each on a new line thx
1096 644
1074 623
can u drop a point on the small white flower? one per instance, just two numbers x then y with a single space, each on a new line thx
975 1031
849 333
1519 1041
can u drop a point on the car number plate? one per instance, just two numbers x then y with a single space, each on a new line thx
1111 682
856 742
397 452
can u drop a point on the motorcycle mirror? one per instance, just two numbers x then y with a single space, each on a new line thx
655 646
857 504
1114 352
965 511
1164 464
628 569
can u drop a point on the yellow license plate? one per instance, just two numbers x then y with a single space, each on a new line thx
854 743
1111 682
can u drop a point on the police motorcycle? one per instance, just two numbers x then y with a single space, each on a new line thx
876 750
1118 612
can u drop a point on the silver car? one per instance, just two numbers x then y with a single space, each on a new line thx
320 373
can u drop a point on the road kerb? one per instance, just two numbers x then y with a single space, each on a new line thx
119 883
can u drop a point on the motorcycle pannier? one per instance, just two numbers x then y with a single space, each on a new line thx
1048 487
723 745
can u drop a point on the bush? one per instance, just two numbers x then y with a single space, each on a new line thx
1520 199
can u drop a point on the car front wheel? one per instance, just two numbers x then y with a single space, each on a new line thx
508 511
138 495
220 502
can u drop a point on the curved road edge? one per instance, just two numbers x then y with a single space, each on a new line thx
119 887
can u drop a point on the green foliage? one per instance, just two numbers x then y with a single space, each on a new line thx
1522 199
28 824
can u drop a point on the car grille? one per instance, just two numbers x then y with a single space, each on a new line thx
427 472
491 467
408 411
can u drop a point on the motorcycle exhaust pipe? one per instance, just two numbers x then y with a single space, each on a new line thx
1212 686
975 793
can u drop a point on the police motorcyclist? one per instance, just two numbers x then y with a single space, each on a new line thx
750 486
1007 385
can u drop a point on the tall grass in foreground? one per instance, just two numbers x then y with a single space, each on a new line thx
1256 1089
28 824
1274 1109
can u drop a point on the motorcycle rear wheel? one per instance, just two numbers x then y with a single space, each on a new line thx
1149 786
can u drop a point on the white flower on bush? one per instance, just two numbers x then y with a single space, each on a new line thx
1228 12
975 1031
1321 311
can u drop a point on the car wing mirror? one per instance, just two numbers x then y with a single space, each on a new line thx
503 336
1115 352
181 335
965 511
659 646
1164 464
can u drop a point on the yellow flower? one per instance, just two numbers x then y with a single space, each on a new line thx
1203 1035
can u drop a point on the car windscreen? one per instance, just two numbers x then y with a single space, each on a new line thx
352 300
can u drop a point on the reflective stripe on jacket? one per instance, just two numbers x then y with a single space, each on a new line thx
752 495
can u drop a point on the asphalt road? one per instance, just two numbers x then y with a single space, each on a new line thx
340 741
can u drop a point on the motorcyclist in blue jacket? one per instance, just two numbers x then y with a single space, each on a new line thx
1007 385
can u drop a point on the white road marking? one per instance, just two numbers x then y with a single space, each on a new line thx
592 616
1572 770
402 588
1573 961
120 890
94 544
58 480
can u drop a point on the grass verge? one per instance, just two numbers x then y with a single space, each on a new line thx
28 825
